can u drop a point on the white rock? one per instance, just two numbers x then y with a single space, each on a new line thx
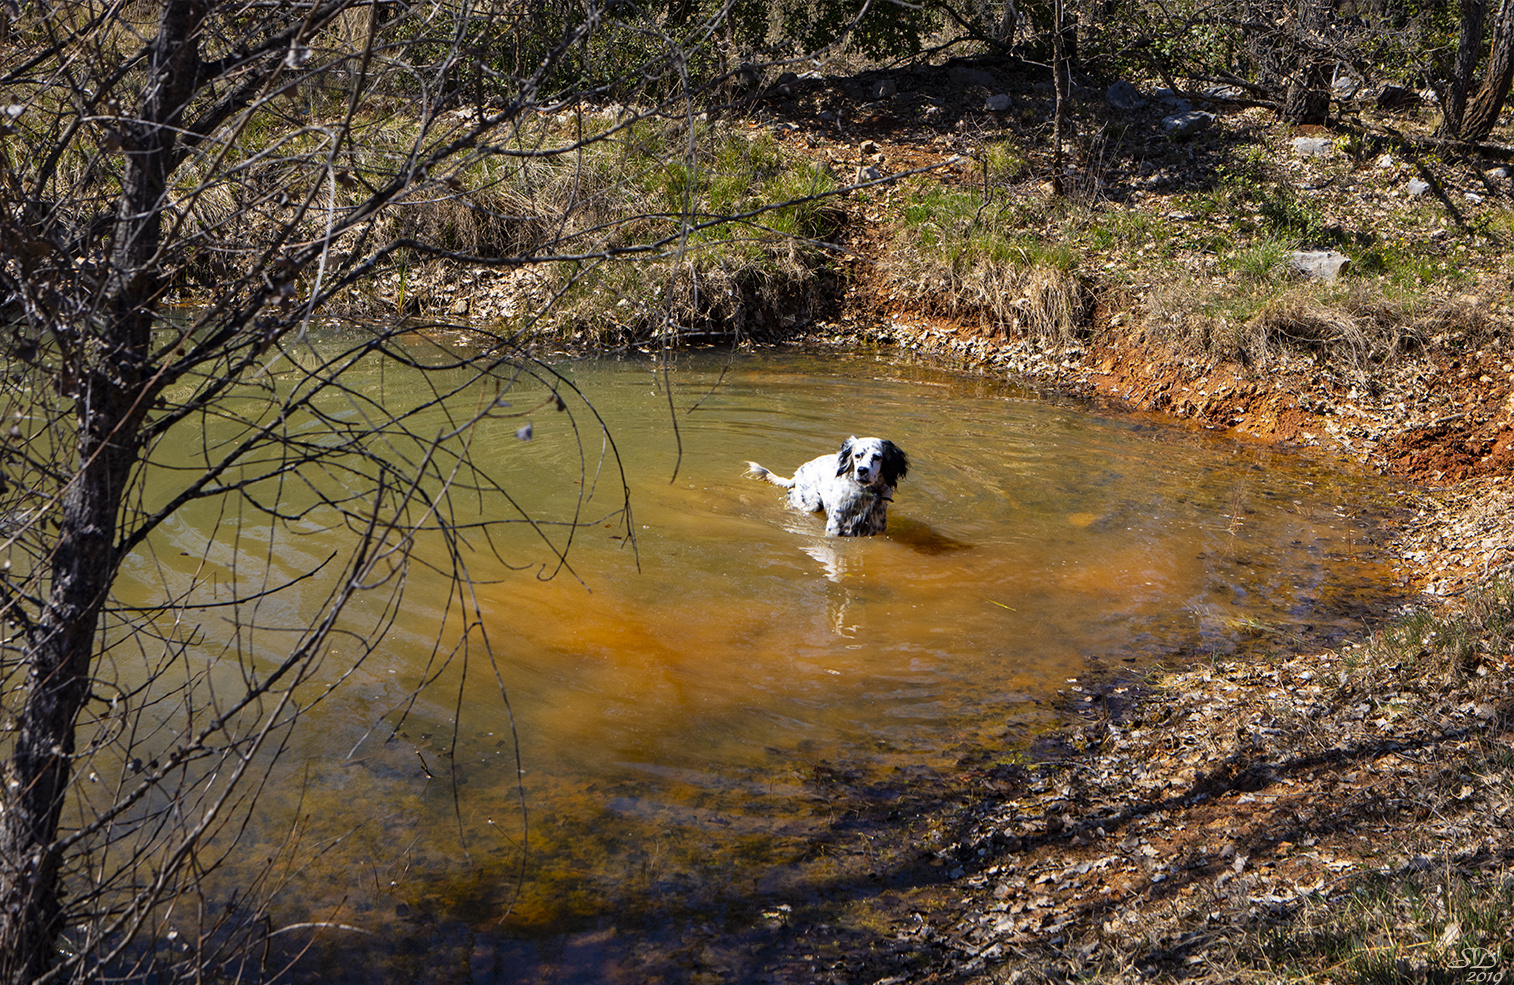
1417 187
1313 146
1318 264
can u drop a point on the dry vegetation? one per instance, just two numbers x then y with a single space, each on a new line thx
620 238
1343 816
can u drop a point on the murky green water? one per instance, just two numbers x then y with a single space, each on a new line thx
678 700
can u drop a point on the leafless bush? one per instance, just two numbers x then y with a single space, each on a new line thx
275 158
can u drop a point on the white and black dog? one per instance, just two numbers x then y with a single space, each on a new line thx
854 486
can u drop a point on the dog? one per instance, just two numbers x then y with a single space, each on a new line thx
853 487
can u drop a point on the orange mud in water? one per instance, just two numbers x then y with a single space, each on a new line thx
674 699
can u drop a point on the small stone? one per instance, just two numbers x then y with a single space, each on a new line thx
1385 162
1171 98
1498 173
997 103
1223 94
1187 124
1313 146
1124 96
1417 187
1472 197
968 77
885 89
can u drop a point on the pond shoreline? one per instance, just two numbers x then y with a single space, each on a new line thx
1211 822
1241 820
1205 823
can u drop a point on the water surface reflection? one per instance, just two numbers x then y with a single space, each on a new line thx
676 699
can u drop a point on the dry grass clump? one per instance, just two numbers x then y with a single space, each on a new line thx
1039 301
959 254
1460 323
1427 923
1468 652
507 223
1359 331
1349 326
1014 295
687 298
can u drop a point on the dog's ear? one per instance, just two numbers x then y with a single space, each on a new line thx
895 463
844 456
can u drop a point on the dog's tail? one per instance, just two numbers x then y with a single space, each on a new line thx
755 471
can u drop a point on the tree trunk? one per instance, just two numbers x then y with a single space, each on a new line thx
112 399
1004 31
1059 82
1468 50
1482 112
58 653
1308 96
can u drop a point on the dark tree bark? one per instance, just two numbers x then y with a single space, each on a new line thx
110 406
1059 69
1004 30
1308 96
1468 51
1482 112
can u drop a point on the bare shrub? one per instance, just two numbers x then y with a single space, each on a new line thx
281 158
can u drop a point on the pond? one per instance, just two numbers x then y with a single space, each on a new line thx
659 731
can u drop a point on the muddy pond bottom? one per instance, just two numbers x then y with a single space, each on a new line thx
687 714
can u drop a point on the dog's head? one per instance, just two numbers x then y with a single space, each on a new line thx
871 461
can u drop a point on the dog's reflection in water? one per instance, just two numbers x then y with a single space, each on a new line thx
837 555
